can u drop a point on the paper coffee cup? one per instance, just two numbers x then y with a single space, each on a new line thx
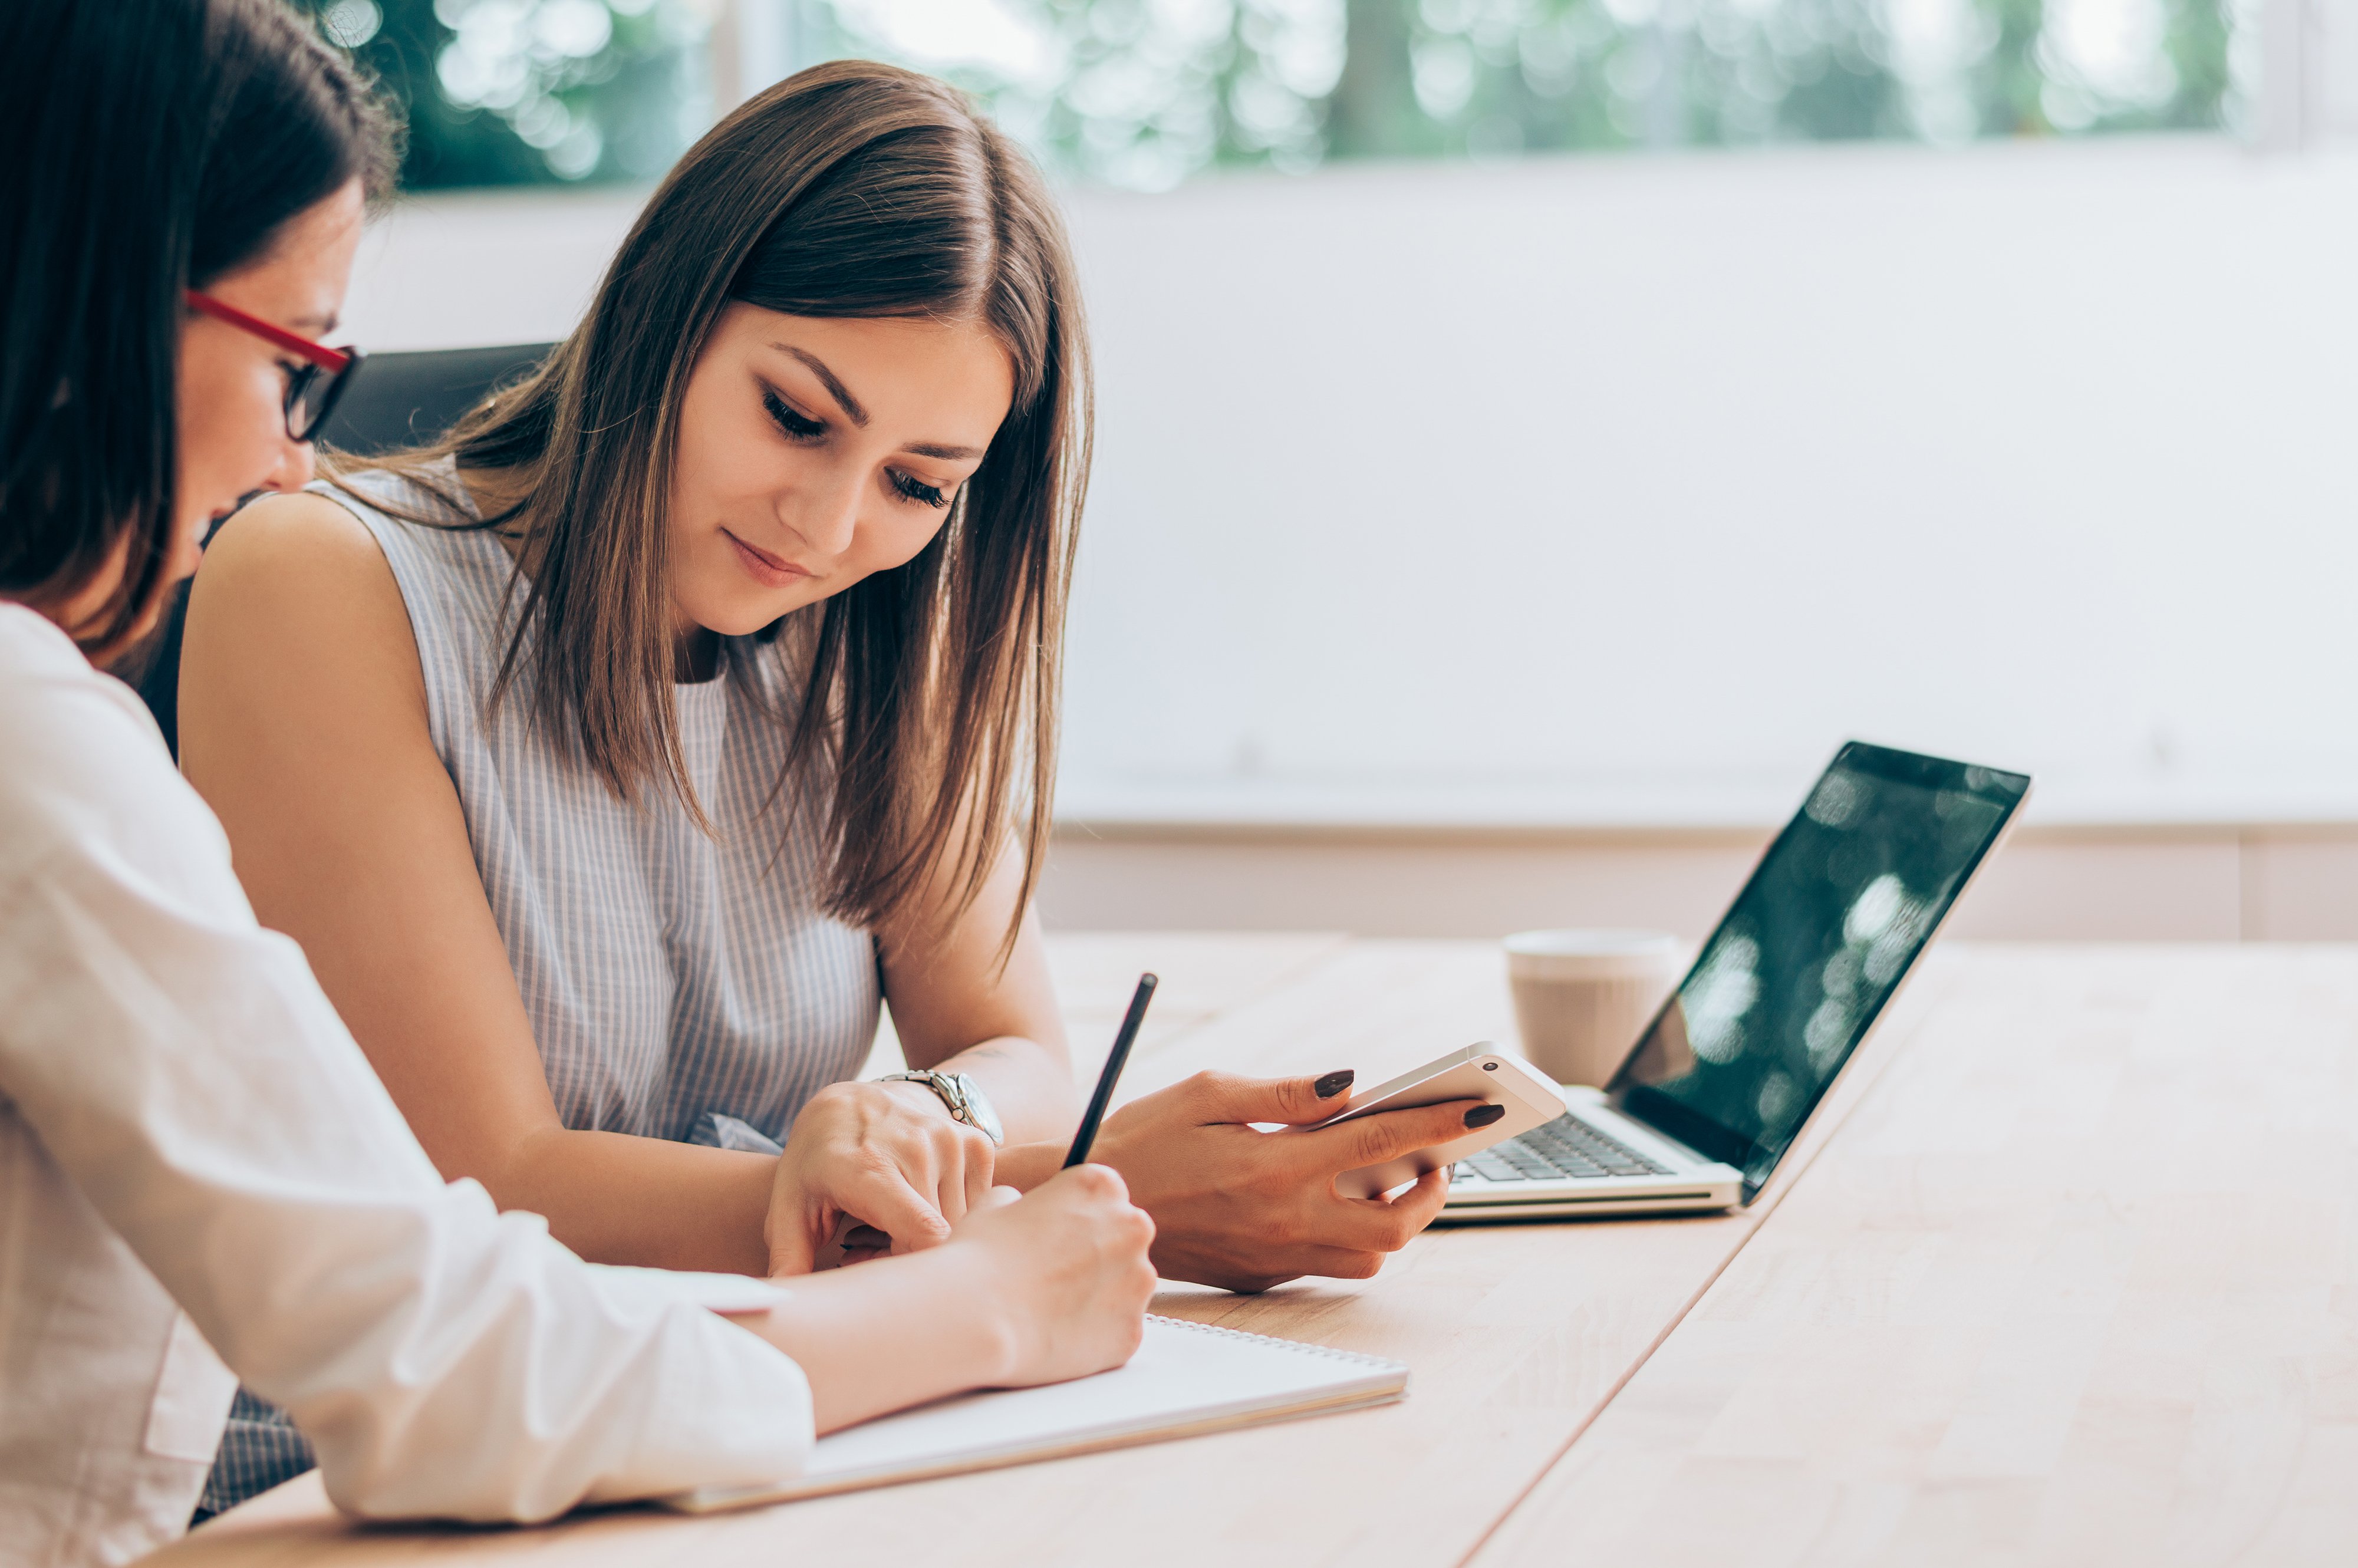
1581 996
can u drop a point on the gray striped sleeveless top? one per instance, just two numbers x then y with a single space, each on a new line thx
680 986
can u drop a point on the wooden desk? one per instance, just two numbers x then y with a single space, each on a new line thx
2034 1297
2076 1286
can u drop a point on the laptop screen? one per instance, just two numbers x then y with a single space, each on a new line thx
1790 983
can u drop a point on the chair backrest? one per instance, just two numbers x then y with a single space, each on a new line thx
394 400
402 400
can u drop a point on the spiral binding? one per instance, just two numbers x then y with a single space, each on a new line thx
1326 1350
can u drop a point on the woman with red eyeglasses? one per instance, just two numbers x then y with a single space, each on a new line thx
200 1180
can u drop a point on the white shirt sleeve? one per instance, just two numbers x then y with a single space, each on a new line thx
182 1065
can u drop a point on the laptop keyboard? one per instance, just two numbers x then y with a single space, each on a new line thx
1566 1147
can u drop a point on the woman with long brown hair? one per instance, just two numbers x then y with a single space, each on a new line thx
613 758
200 1179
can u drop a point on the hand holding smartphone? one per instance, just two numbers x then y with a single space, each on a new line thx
1480 1072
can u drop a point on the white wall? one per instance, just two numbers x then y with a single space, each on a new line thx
1600 486
1600 475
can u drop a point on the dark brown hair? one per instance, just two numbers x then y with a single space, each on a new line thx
153 145
929 692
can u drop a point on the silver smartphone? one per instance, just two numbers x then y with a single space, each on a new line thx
1480 1071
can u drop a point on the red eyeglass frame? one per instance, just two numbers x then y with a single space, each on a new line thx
337 364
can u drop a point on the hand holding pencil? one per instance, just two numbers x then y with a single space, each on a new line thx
1073 1253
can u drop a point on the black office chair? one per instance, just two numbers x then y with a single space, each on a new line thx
401 400
394 400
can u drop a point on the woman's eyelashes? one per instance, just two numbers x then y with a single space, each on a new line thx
786 419
801 427
917 491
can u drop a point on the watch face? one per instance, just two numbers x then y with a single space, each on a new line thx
978 1107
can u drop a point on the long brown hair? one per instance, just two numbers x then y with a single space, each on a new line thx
929 692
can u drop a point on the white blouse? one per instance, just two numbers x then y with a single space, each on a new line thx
201 1180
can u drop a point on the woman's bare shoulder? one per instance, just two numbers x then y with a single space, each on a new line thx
300 543
293 592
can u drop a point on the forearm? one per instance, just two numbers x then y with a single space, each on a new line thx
615 1198
1030 1086
962 1003
887 1334
1025 1165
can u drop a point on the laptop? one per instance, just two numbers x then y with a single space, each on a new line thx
1721 1083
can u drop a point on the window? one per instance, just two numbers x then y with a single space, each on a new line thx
535 91
1143 93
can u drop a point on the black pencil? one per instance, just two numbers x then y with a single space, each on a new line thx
1103 1097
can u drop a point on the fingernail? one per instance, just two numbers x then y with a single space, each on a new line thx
1483 1115
1334 1084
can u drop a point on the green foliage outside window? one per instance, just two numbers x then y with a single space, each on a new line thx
534 91
1144 92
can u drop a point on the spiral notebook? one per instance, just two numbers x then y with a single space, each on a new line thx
1186 1379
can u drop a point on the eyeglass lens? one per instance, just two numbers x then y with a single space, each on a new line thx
311 398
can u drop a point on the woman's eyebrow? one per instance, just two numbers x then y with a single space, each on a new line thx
835 389
858 416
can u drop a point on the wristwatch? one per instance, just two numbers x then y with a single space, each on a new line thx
964 1096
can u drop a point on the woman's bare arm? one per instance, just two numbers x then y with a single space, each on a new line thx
303 724
957 1009
887 1155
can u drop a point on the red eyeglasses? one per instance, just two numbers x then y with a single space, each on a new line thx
311 390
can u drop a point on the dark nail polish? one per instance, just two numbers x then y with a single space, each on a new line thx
1334 1084
1483 1115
